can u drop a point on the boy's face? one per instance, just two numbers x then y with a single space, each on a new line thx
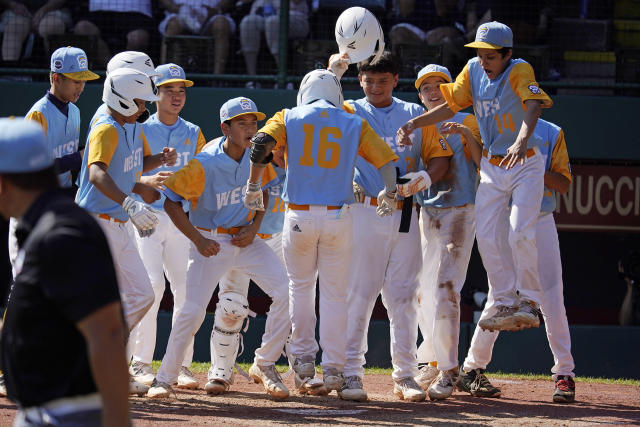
241 129
430 93
141 109
492 62
68 89
378 87
172 98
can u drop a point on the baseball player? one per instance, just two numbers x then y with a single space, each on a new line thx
222 231
557 178
448 231
321 143
113 160
384 259
167 250
507 102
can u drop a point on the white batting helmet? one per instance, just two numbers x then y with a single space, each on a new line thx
320 84
124 85
359 34
131 59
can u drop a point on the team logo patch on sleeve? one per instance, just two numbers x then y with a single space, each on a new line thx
443 144
534 89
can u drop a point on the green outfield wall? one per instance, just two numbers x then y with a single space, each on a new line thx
596 128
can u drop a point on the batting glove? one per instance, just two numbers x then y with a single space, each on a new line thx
386 203
338 64
141 216
419 181
358 192
252 198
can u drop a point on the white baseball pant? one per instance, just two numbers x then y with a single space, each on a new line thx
383 260
13 245
552 307
260 264
523 184
136 292
447 241
165 251
318 242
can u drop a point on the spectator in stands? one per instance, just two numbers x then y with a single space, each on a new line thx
264 17
200 17
20 19
120 25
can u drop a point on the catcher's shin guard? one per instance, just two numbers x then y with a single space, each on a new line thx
231 310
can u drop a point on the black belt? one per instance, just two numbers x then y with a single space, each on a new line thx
407 206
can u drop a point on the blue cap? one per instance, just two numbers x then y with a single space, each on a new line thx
432 70
492 35
23 147
72 62
237 107
171 73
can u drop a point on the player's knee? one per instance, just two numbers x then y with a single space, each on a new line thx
447 302
522 238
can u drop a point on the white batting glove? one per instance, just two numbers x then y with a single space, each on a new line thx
141 216
386 203
338 64
252 197
419 181
358 192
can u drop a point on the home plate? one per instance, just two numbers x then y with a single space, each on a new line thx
322 412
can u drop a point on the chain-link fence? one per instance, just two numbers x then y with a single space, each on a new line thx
575 46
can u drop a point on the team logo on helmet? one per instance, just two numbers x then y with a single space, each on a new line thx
82 62
174 71
245 104
57 64
534 89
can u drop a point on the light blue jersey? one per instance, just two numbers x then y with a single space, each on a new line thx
124 168
183 136
549 133
458 186
62 132
385 122
273 220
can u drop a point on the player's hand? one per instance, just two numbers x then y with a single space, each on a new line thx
252 197
386 203
516 153
338 64
402 135
142 216
245 236
451 128
418 181
207 247
358 192
156 180
169 156
147 192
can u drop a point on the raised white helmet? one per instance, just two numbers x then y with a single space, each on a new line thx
131 59
359 34
320 84
124 85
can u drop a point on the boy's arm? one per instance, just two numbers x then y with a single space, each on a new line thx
518 151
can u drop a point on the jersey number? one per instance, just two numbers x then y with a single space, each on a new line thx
328 150
507 123
278 205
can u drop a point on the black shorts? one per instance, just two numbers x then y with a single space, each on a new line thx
114 26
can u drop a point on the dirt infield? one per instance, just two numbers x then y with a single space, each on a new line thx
524 402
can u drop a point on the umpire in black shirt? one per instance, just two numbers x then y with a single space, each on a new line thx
63 339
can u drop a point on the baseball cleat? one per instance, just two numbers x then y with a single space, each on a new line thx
527 315
352 389
186 379
503 320
305 380
443 386
137 388
216 387
333 379
408 389
3 387
270 378
426 375
142 372
476 383
565 391
159 390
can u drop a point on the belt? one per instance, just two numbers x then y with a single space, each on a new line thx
372 201
264 236
294 207
110 218
221 230
496 159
